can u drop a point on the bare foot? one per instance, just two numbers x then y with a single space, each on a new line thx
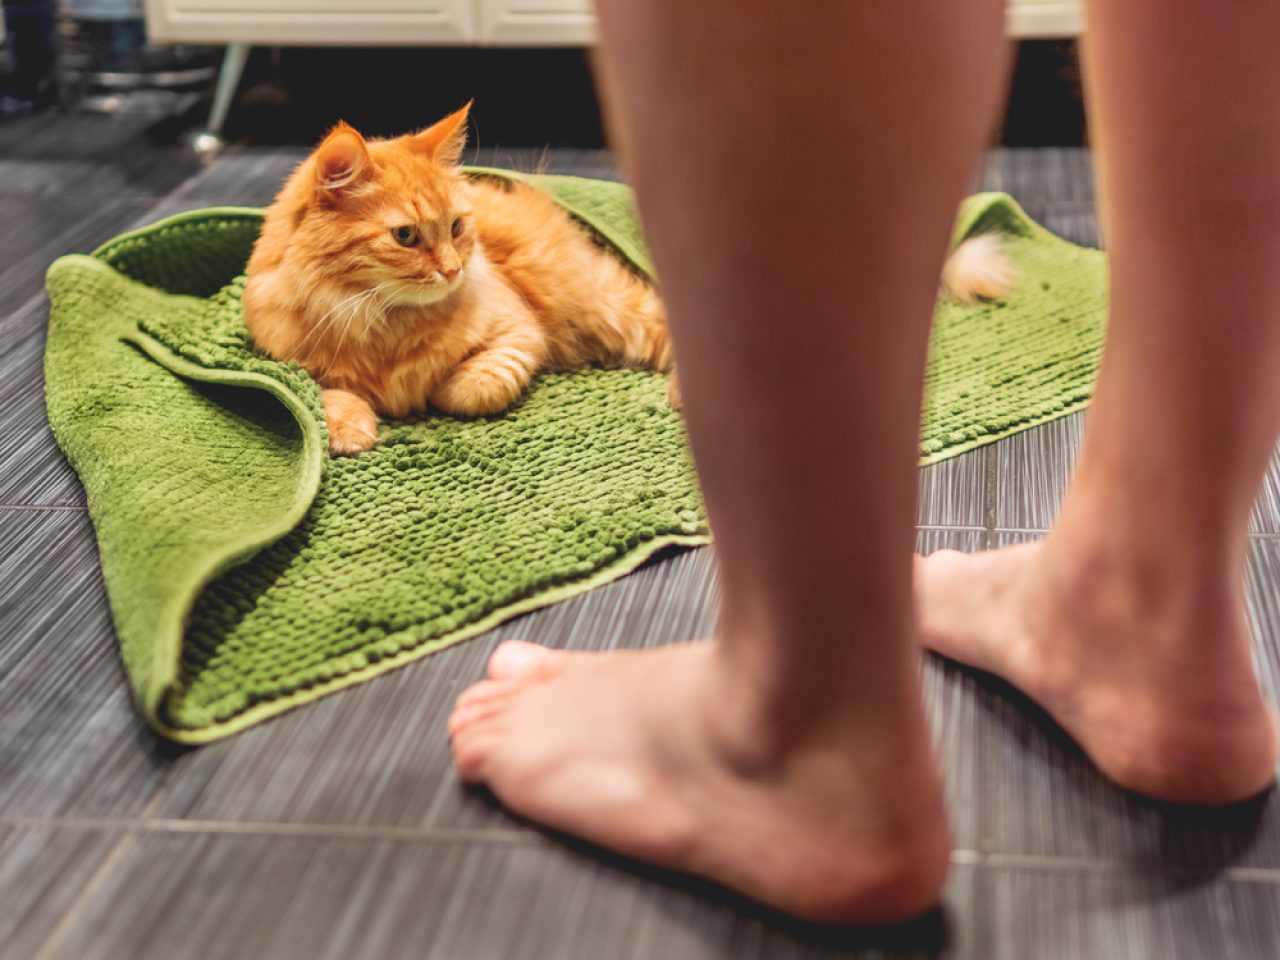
637 751
1160 695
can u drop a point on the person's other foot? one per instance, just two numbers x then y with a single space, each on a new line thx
1156 685
637 752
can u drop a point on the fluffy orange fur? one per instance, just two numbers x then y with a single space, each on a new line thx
398 282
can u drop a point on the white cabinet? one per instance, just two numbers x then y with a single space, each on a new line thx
541 22
307 22
1045 18
490 23
573 22
454 22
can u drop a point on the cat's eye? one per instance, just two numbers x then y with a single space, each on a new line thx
457 227
406 235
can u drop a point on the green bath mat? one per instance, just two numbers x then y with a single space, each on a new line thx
249 573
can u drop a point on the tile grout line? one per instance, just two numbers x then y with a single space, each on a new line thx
1261 535
132 827
59 932
105 868
1007 861
143 824
282 830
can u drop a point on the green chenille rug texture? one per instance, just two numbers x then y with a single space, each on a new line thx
248 572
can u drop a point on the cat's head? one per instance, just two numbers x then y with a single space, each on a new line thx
388 214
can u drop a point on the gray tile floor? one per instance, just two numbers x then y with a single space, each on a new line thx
340 832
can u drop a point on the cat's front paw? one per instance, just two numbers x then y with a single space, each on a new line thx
477 392
353 426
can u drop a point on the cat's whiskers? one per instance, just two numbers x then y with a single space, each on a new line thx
382 307
321 324
356 306
361 310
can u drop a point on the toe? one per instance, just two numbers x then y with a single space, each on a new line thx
472 750
930 564
483 691
468 714
932 571
519 660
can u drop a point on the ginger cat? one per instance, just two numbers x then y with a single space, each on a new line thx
397 282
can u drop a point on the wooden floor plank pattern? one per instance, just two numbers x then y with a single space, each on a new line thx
338 831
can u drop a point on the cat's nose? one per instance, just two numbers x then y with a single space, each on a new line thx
450 274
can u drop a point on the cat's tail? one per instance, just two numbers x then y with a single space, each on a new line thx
978 270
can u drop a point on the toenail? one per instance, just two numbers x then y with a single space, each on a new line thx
514 658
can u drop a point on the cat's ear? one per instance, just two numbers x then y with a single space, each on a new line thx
342 159
445 140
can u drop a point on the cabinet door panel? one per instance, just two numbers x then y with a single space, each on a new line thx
1045 18
487 22
523 22
537 22
312 22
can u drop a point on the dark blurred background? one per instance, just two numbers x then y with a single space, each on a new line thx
91 56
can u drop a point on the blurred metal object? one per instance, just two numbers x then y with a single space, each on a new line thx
207 143
204 144
109 67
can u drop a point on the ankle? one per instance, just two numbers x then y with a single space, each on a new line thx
1169 637
1101 568
761 717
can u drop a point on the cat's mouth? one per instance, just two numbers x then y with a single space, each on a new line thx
421 291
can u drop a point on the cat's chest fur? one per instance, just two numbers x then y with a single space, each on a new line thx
401 377
421 347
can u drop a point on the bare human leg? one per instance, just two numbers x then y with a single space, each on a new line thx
1128 623
798 174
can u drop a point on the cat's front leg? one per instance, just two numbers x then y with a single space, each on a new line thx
493 379
353 426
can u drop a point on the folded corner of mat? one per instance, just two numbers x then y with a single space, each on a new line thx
248 572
